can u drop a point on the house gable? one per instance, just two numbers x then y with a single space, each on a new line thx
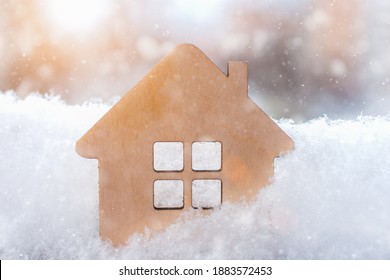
174 85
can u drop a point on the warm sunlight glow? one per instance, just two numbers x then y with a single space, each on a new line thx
198 9
76 15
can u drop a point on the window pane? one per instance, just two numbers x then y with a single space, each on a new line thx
168 156
206 193
168 194
206 156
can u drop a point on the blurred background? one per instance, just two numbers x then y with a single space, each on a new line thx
306 58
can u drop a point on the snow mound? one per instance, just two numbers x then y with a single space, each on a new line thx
329 198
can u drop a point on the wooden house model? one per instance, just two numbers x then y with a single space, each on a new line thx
186 136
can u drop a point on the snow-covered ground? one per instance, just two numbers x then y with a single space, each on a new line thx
329 199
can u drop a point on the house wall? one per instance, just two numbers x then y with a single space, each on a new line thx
185 98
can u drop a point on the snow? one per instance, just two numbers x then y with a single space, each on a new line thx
168 156
168 194
206 193
206 156
318 18
338 68
328 199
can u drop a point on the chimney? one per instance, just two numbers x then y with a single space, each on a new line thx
238 75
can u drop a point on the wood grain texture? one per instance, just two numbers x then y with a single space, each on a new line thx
184 98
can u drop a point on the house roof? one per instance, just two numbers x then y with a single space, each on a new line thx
182 82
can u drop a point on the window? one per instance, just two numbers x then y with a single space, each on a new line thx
206 156
169 157
206 193
168 194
